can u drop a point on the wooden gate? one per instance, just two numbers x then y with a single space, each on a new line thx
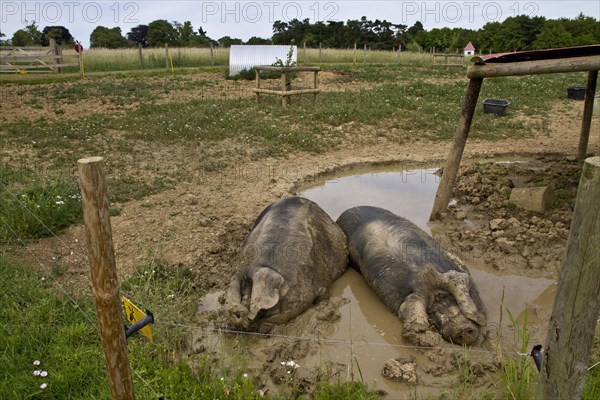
35 59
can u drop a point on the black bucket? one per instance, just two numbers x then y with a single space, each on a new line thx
495 106
576 92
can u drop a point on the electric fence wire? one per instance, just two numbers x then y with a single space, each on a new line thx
71 299
230 331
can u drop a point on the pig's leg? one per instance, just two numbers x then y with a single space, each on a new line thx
237 312
415 322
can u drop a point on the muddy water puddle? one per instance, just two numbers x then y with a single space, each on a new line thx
406 192
375 333
367 335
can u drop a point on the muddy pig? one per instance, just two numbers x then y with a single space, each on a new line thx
414 277
292 254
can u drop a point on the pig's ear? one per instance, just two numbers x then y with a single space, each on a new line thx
266 288
459 284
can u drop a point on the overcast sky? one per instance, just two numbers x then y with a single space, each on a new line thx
244 19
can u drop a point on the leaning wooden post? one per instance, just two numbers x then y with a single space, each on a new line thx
444 191
212 55
588 108
577 302
104 276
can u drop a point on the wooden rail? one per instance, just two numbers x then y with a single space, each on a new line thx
286 90
33 59
448 59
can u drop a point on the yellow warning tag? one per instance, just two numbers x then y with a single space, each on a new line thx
134 314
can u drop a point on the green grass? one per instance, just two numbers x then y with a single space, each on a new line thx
33 208
37 322
399 102
518 371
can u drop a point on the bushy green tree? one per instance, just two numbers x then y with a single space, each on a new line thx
138 35
258 40
584 30
58 33
552 35
227 41
110 38
161 32
21 38
28 36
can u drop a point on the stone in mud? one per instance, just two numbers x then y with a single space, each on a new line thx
497 224
401 370
534 199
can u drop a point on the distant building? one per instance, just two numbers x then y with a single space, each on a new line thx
469 50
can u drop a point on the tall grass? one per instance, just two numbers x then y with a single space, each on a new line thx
100 59
128 59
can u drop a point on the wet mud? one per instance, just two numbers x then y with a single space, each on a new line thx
351 335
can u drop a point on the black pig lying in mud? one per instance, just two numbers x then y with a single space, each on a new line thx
414 277
292 254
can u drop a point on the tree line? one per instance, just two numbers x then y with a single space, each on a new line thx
514 33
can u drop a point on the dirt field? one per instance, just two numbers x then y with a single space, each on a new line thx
201 221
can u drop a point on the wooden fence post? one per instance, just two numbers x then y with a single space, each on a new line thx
320 52
212 55
444 191
304 54
398 55
96 216
140 59
354 62
54 52
167 56
588 109
365 54
577 303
